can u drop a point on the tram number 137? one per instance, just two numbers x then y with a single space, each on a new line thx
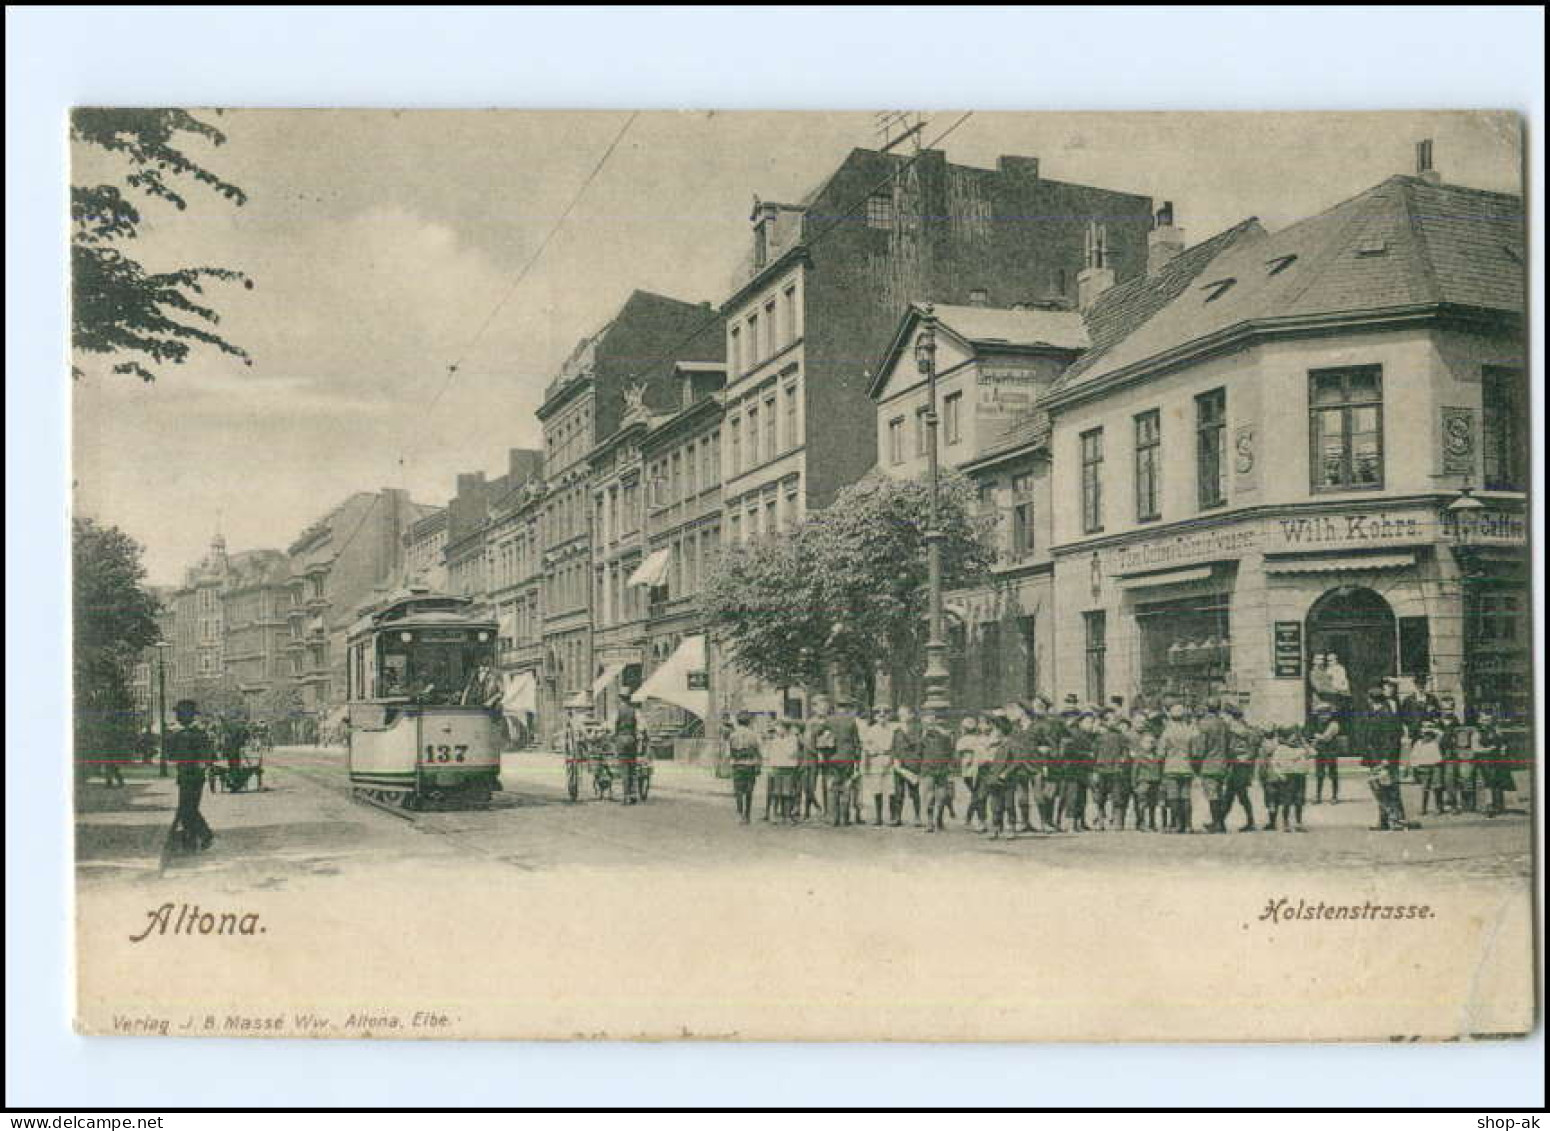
445 753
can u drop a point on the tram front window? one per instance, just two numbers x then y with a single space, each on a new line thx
432 674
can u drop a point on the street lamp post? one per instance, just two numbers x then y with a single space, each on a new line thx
161 697
1461 514
937 675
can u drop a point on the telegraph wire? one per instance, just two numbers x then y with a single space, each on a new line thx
452 370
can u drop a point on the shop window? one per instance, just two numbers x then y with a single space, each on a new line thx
1505 421
1415 648
1210 440
1186 647
1096 625
1148 466
1346 428
1092 481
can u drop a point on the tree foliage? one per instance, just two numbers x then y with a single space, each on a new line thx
119 308
848 587
115 621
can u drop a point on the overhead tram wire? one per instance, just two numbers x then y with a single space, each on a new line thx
452 370
834 221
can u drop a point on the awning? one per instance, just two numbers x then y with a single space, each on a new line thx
610 673
1171 577
1353 564
652 571
519 693
671 682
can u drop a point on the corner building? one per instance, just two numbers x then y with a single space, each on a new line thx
1265 452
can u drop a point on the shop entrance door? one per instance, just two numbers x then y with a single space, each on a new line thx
1358 626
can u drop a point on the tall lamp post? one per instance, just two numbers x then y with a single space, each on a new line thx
162 647
1462 513
937 676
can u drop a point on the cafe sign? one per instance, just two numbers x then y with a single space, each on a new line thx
1485 528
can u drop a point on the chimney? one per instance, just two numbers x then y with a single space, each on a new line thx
979 296
1164 241
1423 162
1097 276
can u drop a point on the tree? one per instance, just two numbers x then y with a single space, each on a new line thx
847 588
115 621
120 308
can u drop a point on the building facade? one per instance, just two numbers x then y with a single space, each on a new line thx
425 544
1265 449
830 278
628 362
993 367
338 564
681 454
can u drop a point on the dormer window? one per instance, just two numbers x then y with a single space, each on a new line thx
1279 263
1217 289
1513 253
1371 248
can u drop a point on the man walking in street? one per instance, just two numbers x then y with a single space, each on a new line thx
189 749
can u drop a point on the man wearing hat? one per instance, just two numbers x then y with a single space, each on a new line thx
189 748
1177 746
1378 740
1243 745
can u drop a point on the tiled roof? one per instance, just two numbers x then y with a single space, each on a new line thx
1123 309
1402 243
981 325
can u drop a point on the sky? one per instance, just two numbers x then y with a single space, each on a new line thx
387 246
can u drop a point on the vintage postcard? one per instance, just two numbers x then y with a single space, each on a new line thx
920 576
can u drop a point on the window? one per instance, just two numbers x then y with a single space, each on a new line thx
1097 645
1346 428
771 518
753 340
1148 465
691 472
879 210
1022 515
715 457
753 436
737 446
735 349
789 321
1210 441
771 331
1505 421
896 441
952 408
1092 481
1029 638
791 416
735 529
675 491
770 445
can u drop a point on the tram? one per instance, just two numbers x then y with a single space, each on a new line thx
424 715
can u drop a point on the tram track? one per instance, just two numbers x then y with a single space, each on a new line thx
468 836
